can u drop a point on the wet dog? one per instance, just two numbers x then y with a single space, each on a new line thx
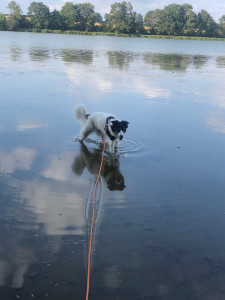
96 122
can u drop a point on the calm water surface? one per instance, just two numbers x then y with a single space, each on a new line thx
160 214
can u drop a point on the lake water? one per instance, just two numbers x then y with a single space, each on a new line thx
160 211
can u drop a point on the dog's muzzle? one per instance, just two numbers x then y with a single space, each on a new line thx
121 137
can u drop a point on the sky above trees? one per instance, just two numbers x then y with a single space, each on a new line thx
216 8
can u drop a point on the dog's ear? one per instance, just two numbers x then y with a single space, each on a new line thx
124 125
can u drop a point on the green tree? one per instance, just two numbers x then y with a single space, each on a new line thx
222 25
190 21
86 10
135 23
2 22
88 17
153 21
70 16
121 18
15 16
55 21
206 24
139 24
39 15
94 19
175 18
172 23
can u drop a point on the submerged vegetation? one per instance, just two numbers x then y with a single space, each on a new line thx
174 21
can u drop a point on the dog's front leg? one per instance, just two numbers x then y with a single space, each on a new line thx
86 130
112 146
116 143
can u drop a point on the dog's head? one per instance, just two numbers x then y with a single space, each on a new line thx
119 128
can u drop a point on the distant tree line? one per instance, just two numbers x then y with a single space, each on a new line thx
174 19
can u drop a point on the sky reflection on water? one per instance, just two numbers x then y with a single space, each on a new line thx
160 203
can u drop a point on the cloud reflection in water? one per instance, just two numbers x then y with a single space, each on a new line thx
20 158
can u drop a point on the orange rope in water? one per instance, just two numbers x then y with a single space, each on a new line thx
92 219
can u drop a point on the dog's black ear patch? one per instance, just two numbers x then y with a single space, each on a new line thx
116 127
124 125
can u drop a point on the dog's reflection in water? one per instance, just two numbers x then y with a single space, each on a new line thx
91 159
111 174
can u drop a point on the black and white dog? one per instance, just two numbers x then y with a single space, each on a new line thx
96 122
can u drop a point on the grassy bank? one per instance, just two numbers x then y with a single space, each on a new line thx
126 35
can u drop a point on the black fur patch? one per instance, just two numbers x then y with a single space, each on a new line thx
116 127
112 138
109 118
124 125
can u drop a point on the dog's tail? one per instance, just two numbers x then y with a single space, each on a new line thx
81 114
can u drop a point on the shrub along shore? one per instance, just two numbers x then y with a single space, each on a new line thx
151 36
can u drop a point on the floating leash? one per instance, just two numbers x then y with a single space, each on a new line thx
93 217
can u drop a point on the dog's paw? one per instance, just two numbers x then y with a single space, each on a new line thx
78 139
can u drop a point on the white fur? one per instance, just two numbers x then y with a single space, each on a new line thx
80 114
95 123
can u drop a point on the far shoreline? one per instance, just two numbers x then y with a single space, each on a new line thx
116 34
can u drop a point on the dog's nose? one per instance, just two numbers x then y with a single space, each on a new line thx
121 137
